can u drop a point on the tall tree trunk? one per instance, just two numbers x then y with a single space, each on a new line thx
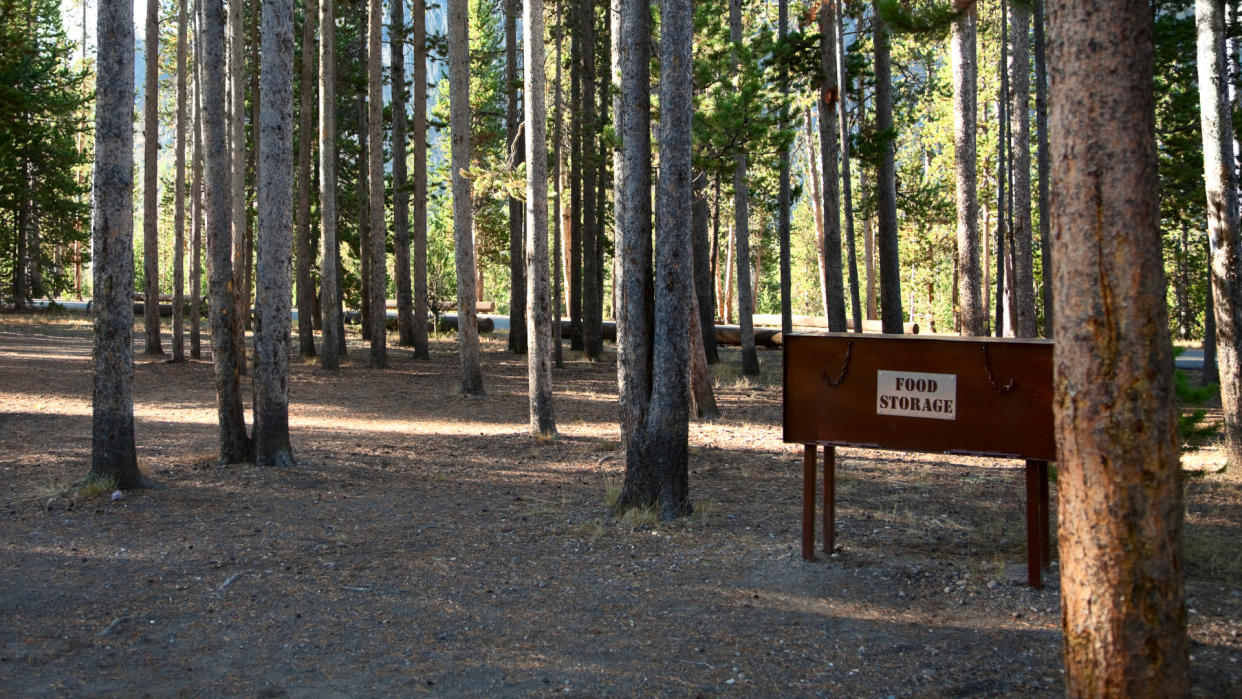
538 318
592 334
829 94
419 39
463 216
816 203
557 168
702 398
1120 497
274 209
237 178
784 195
1041 160
965 77
226 341
1022 284
741 222
363 181
306 137
196 196
705 303
869 255
150 179
178 339
1210 373
516 153
252 169
329 248
113 455
375 139
847 194
1222 210
891 315
400 189
577 138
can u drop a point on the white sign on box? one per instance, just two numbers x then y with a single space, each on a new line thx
916 394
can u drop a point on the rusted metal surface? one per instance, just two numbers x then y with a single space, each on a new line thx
1002 404
954 395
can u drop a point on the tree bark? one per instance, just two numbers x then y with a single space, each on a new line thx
237 174
274 204
1022 283
113 454
784 195
816 203
1041 159
226 343
1120 500
576 149
829 94
557 169
516 153
891 315
196 197
459 118
150 180
741 223
306 137
1220 179
847 195
965 76
329 289
375 139
538 318
419 136
705 302
400 184
178 321
592 340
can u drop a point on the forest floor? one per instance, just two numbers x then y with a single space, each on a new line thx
424 544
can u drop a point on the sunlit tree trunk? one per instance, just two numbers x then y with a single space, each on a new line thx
538 318
113 455
274 209
459 120
847 194
784 195
829 94
1022 283
400 189
1119 487
419 136
1222 210
557 208
196 197
1041 159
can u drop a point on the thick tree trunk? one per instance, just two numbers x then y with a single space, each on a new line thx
329 289
741 223
886 186
226 342
847 194
516 153
150 179
375 139
965 75
274 200
178 322
829 94
1022 282
459 118
1120 500
113 455
538 318
419 136
306 137
1222 198
400 189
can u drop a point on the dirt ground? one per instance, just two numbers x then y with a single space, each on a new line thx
426 545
